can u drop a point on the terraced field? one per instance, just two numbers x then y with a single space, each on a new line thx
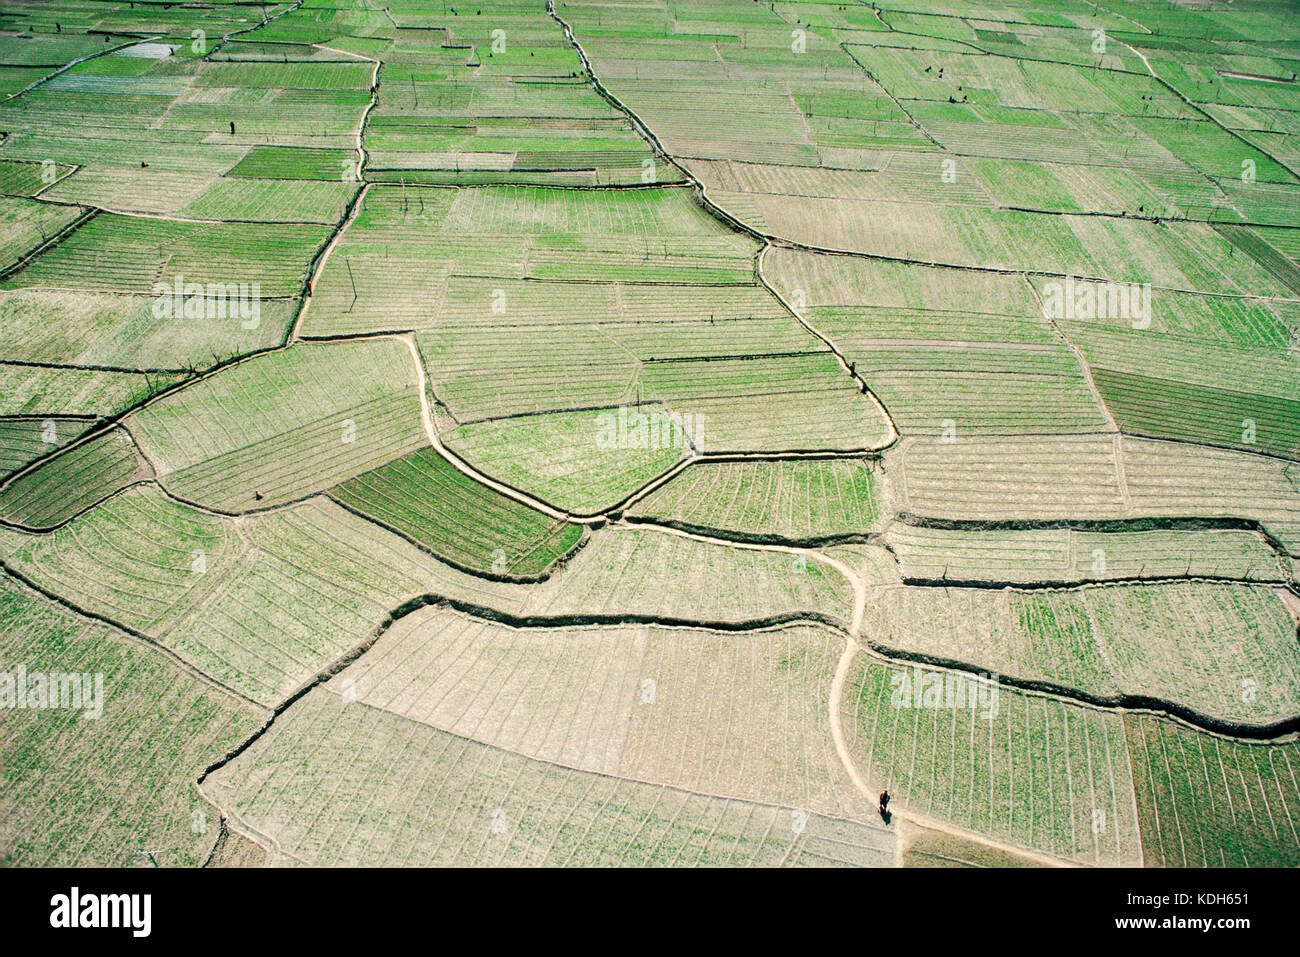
1212 803
627 701
319 414
75 479
497 100
654 573
1221 654
114 253
427 500
651 300
784 499
1213 416
1035 774
122 332
1123 550
69 797
560 457
636 433
494 807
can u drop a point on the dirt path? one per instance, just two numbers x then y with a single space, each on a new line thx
835 702
894 433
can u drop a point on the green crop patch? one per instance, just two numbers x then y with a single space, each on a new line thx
424 497
297 162
136 254
28 179
575 461
291 76
134 559
24 440
72 481
188 580
792 499
1192 645
1031 771
1205 801
1152 406
29 226
274 200
126 332
1256 245
40 390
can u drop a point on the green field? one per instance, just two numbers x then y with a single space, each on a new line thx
72 481
427 500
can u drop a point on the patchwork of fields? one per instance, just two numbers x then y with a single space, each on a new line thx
640 432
